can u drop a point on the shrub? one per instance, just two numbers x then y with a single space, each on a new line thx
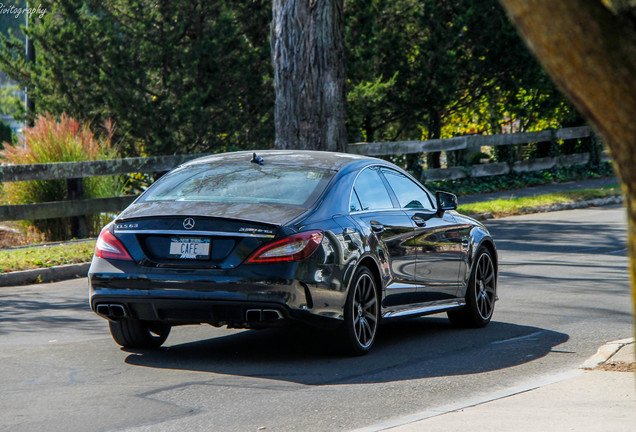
63 140
6 134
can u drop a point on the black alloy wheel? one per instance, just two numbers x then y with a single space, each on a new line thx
362 313
131 333
480 295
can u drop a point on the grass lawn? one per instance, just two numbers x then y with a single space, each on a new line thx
26 258
509 207
43 256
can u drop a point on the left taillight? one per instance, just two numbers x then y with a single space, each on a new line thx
293 248
110 247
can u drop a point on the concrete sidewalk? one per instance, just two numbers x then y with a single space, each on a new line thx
603 398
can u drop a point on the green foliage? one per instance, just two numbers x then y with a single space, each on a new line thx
456 67
176 76
195 76
66 140
10 103
366 98
6 134
473 185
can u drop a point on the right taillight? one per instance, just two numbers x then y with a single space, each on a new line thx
110 247
296 247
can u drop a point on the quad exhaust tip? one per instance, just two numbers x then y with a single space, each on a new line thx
111 311
263 315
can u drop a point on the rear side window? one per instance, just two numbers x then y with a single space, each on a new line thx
408 193
369 192
244 183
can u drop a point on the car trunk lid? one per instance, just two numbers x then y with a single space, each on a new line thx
205 235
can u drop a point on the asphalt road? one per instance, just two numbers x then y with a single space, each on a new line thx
564 291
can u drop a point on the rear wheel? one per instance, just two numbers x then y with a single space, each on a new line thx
362 313
131 333
480 296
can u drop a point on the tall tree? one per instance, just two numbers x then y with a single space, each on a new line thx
413 64
589 48
307 39
175 76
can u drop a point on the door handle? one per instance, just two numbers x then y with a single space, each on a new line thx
465 243
376 226
419 221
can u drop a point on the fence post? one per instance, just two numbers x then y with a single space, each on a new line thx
75 189
595 147
554 144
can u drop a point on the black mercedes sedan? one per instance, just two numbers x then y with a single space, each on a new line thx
252 240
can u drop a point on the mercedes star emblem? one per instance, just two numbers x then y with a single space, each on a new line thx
188 223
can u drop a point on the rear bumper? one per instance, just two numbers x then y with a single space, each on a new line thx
260 298
178 311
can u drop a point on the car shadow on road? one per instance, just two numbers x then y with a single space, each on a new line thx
411 349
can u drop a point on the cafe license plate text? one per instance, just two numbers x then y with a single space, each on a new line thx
190 248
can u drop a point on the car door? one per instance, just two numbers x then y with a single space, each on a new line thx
437 241
390 233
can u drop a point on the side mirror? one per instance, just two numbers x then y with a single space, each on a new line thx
445 201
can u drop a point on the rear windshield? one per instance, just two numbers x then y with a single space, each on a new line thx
244 183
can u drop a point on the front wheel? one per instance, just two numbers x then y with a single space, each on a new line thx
480 295
131 333
362 313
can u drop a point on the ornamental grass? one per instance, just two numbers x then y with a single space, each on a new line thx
60 140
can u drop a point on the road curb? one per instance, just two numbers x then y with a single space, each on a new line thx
605 352
42 275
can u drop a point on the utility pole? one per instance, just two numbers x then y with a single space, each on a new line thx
29 103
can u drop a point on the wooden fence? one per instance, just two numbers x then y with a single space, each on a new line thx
475 142
77 207
73 172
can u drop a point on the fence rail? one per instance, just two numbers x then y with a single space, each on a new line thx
466 141
73 172
60 209
70 170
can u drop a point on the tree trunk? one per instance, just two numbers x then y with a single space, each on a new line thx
590 53
307 39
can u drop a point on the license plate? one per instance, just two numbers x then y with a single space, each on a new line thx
190 248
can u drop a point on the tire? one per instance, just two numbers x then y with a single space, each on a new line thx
480 295
131 333
361 314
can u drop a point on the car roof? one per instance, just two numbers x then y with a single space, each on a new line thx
307 158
